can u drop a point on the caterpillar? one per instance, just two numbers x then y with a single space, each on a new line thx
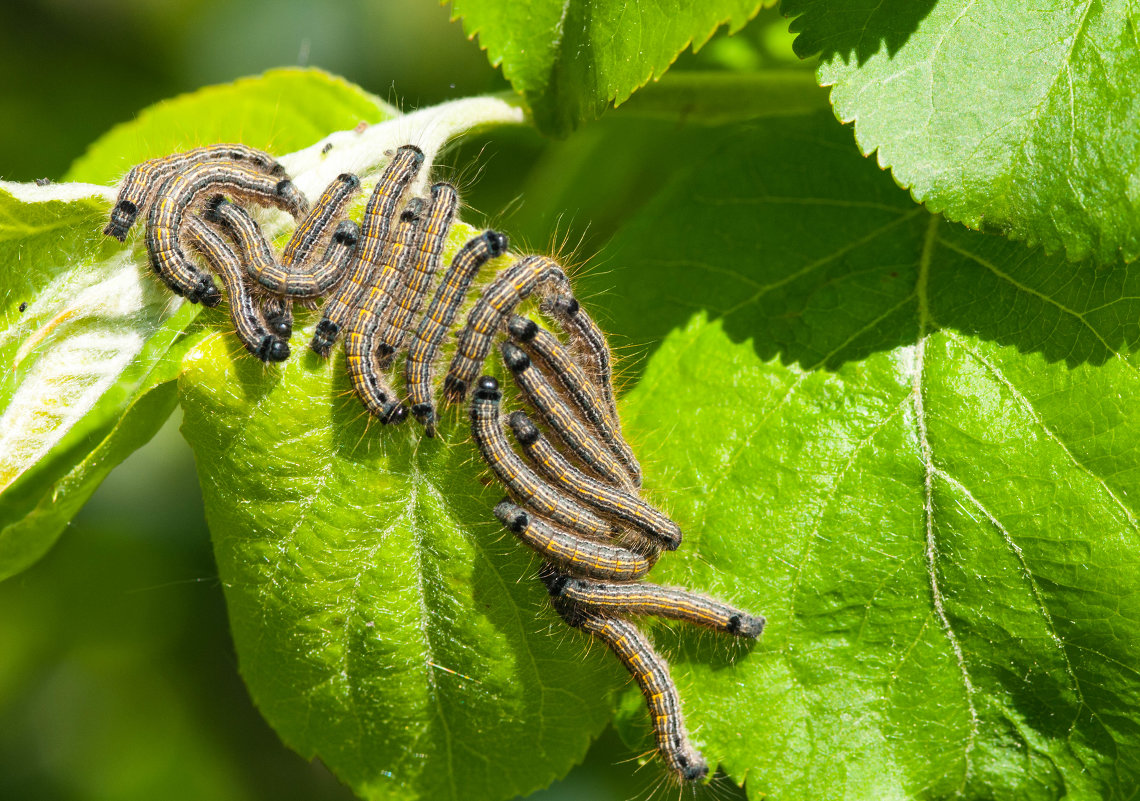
578 510
359 345
430 238
557 414
590 344
142 182
537 341
288 277
593 493
243 310
439 316
508 289
512 471
378 214
643 599
309 234
174 199
651 673
278 309
569 552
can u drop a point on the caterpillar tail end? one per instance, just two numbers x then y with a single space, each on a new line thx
324 337
694 767
117 231
122 218
425 414
454 389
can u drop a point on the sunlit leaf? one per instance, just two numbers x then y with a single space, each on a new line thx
572 60
1017 117
910 446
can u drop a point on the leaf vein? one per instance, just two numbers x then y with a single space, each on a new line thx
1041 296
927 455
1028 406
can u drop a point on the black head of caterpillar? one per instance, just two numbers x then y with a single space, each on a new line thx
541 393
599 495
643 599
142 182
278 315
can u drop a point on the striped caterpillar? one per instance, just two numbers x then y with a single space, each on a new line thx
574 490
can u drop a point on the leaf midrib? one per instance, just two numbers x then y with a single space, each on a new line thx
926 453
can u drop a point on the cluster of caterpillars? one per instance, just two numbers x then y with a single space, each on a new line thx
574 491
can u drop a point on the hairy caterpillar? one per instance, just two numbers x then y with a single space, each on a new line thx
586 521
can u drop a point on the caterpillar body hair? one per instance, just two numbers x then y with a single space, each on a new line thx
651 673
428 246
523 483
316 226
505 292
643 599
570 552
142 182
179 192
368 378
378 215
596 494
295 276
546 399
278 310
537 341
243 310
440 315
255 250
590 343
388 285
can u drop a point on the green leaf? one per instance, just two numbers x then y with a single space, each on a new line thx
605 174
91 353
573 60
40 504
718 98
1014 117
280 111
913 448
909 445
382 620
81 358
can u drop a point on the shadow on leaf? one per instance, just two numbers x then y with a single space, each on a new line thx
796 244
833 28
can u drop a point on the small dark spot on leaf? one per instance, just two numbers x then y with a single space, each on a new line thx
24 306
